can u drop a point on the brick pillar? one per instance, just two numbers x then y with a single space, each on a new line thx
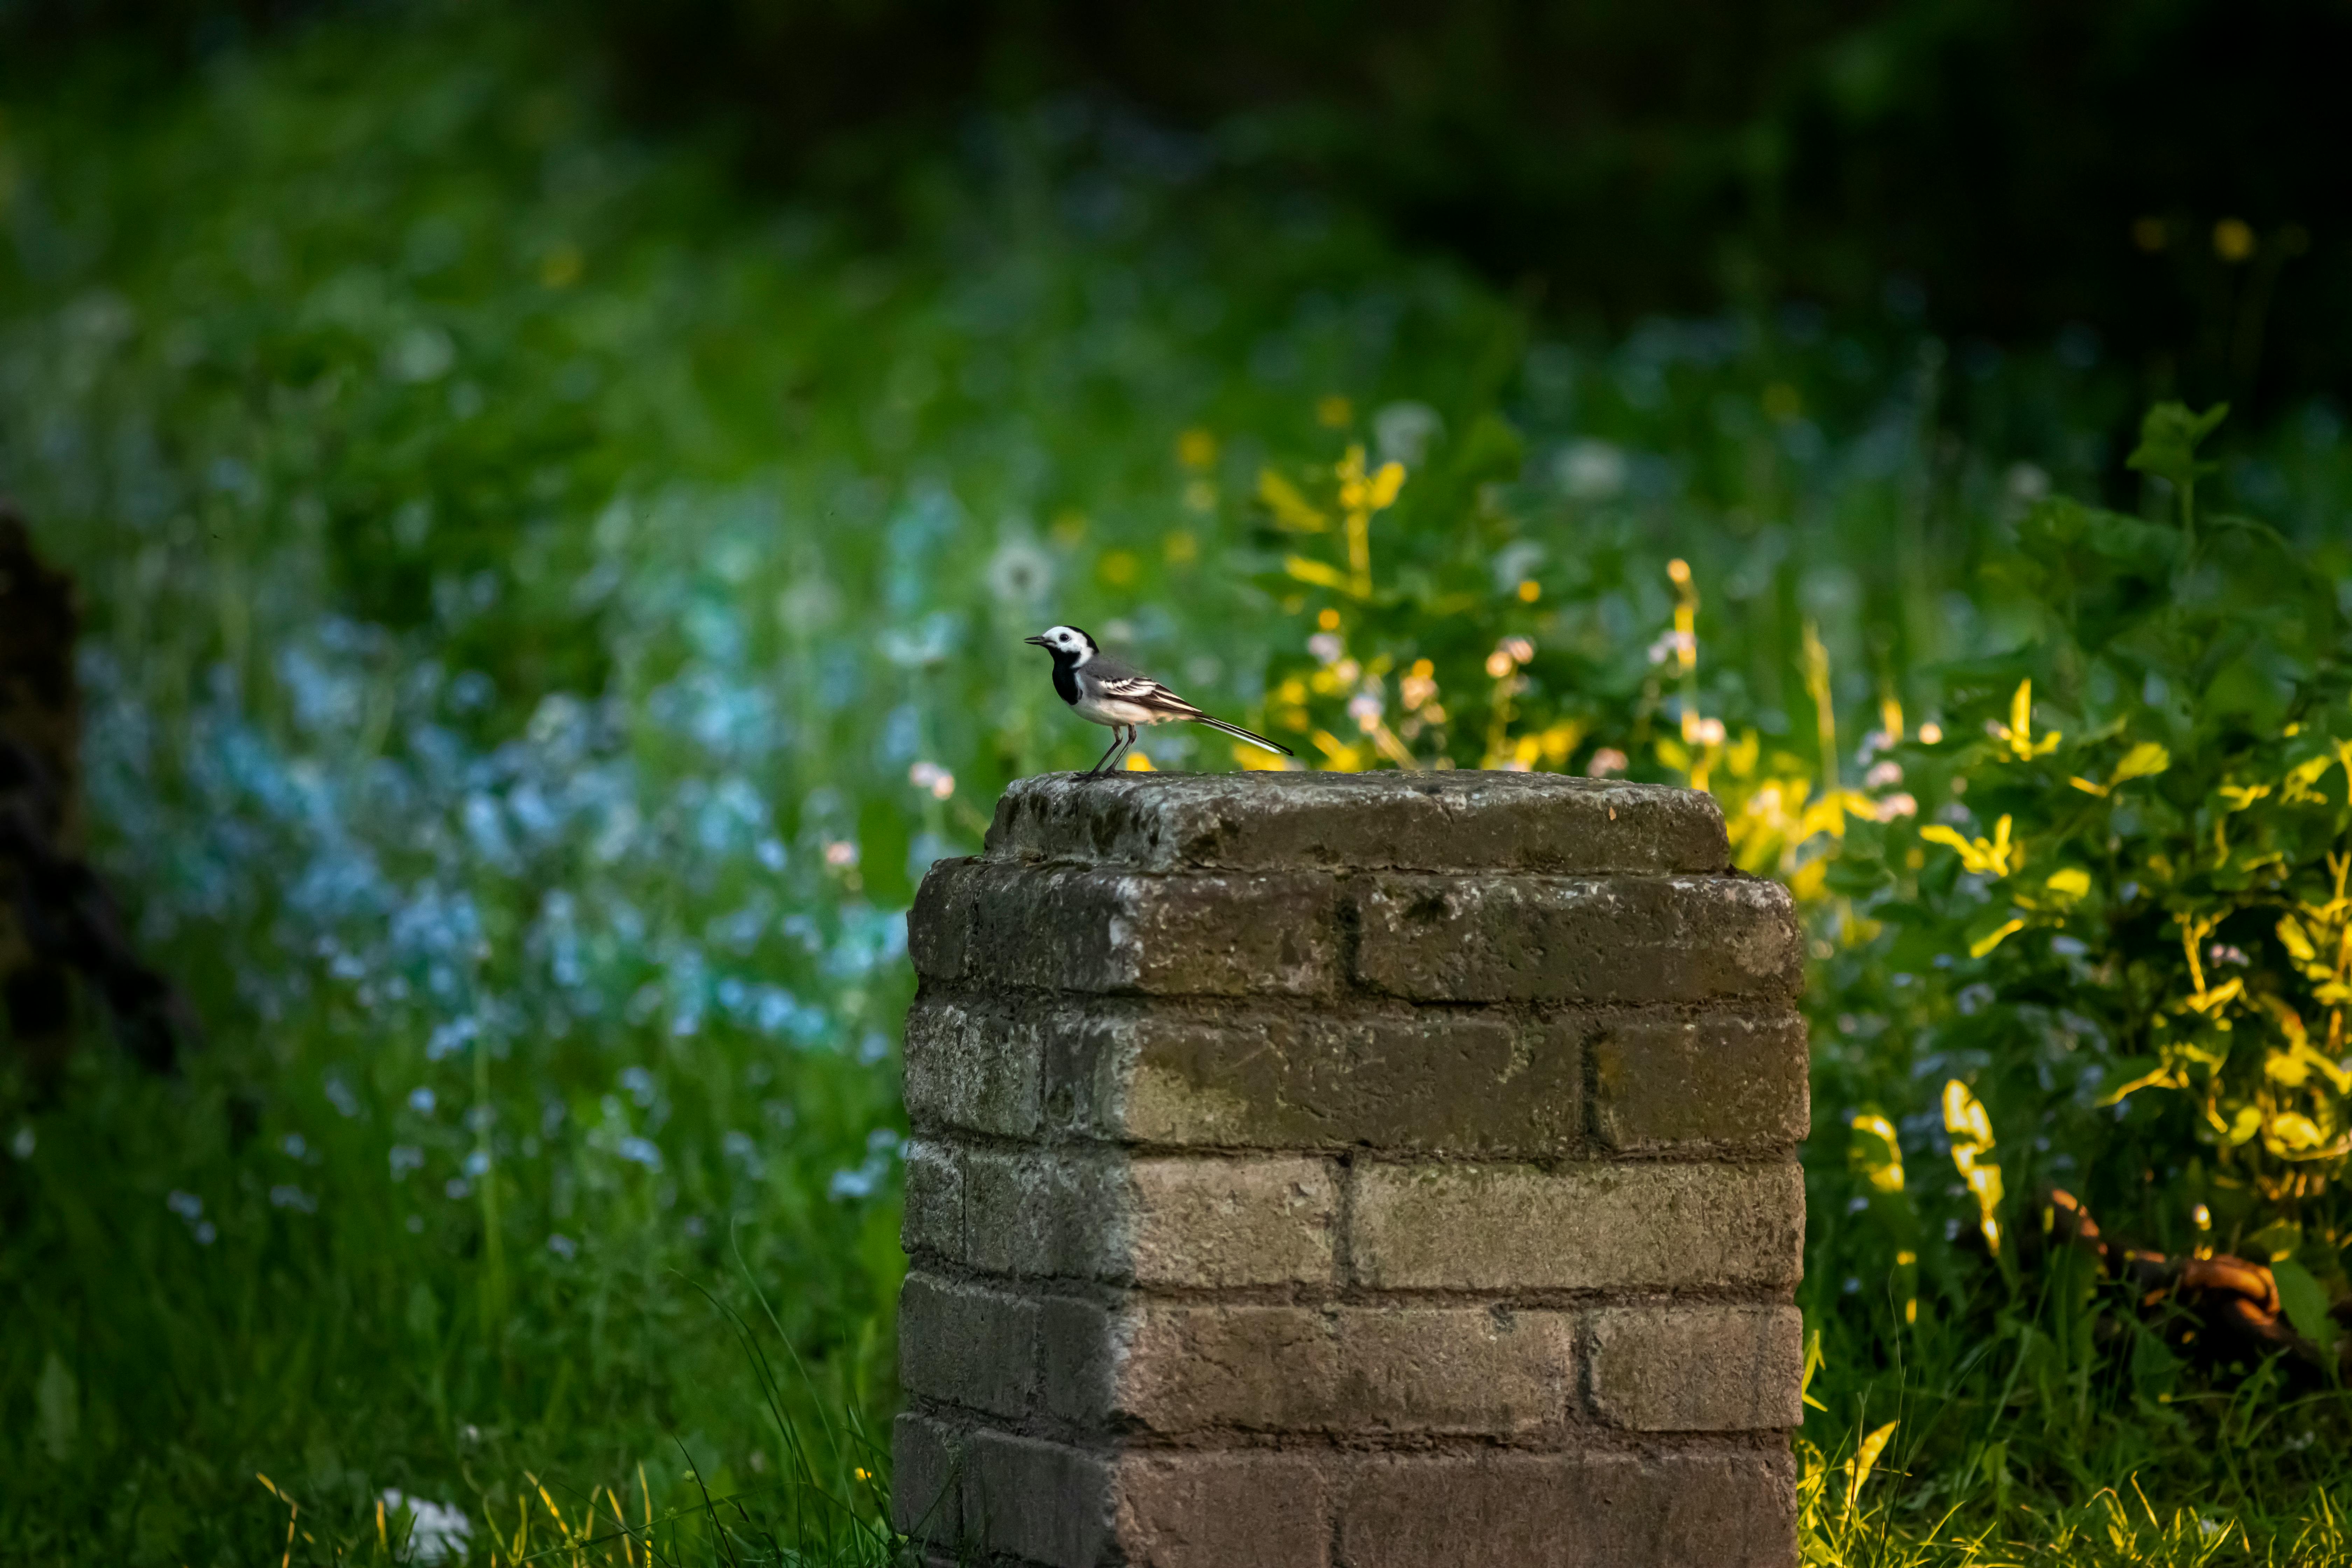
1352 1171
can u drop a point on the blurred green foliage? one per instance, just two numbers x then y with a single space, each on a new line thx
2161 178
547 610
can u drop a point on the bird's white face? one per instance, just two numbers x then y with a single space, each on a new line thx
1067 641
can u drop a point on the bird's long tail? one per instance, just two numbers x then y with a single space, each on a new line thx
1238 733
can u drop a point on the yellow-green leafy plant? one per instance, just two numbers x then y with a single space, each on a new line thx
2123 913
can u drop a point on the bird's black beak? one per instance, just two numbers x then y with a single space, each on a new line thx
1034 642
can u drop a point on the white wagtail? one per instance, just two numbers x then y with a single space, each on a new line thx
1104 691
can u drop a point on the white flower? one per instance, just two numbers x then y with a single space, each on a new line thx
1326 647
1670 643
1020 573
841 854
1365 708
1608 760
1708 732
1403 432
1884 773
1591 470
437 1532
1895 805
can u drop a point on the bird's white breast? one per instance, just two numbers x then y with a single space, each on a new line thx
1102 710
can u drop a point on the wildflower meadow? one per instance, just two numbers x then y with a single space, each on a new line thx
546 606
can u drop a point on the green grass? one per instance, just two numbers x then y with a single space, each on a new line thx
522 572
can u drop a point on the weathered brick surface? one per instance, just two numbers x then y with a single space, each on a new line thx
1286 1075
1248 1509
1225 1223
1155 1220
931 1223
1585 939
1080 1343
938 926
1322 1172
1646 1226
1046 1502
1180 1369
1215 934
1064 1507
1698 1368
1568 1511
1439 821
1660 1080
926 1479
967 1345
975 1064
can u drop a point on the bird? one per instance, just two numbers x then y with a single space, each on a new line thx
1102 690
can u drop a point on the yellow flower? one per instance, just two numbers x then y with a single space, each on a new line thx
1364 492
1883 1166
1290 509
2293 1131
1985 857
1972 1132
1342 757
2019 730
2143 761
2070 884
1994 938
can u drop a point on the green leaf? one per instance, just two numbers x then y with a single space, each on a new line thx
2277 1239
2306 1300
57 1405
2168 442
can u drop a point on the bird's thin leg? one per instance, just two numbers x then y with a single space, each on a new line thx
1105 758
1123 745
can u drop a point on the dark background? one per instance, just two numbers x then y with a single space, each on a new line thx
2015 169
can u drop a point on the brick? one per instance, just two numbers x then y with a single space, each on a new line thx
1251 1509
1229 935
1047 1502
1698 1368
1045 1214
931 1223
1437 821
1218 1224
1578 1227
1618 938
1153 1221
1287 1075
1502 1509
938 925
1665 1082
973 1064
1180 1369
1063 1506
925 1482
963 1344
1078 1345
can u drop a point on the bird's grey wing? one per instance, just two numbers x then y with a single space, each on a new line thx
1112 671
1112 679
